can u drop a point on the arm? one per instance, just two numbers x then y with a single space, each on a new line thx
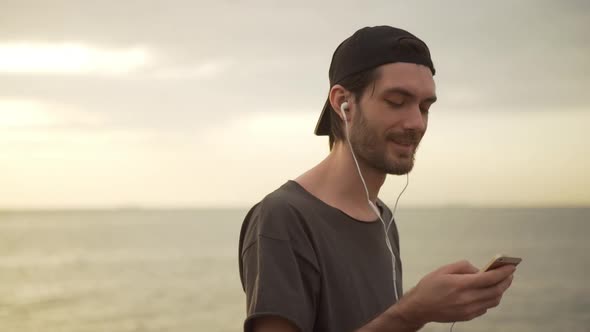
273 324
278 271
452 293
392 320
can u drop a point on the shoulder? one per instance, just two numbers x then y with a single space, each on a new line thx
279 215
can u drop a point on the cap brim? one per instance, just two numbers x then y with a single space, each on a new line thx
322 128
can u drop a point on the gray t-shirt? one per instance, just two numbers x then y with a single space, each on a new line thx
314 265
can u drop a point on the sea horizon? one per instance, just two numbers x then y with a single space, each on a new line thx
114 208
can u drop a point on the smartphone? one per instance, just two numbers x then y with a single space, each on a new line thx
501 260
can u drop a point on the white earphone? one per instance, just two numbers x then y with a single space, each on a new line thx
344 107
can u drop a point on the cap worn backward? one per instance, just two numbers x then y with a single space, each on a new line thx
322 128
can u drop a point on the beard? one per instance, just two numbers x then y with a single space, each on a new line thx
374 151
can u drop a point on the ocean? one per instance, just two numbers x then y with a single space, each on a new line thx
176 270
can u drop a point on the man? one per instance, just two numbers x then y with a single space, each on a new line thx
317 253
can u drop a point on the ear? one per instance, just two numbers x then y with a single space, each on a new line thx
339 95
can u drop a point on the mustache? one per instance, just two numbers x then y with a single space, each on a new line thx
406 137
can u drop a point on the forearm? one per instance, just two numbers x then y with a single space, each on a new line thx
394 319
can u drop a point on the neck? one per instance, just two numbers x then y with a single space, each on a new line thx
341 163
336 181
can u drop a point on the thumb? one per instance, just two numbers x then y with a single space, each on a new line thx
460 267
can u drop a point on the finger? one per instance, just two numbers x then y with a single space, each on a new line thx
489 293
460 267
488 304
472 312
488 278
477 309
476 314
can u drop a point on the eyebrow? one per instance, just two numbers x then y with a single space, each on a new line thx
407 93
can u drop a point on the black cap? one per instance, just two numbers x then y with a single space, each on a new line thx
368 48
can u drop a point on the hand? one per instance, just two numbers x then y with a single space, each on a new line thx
455 292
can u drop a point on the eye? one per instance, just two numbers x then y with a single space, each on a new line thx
395 104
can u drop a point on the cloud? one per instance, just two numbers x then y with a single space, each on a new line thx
208 62
69 58
205 70
33 115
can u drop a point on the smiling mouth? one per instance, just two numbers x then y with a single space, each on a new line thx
407 144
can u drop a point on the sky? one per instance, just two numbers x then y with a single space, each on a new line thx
213 103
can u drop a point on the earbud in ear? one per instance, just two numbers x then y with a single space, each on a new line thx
344 107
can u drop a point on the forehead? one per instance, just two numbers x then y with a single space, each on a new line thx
412 77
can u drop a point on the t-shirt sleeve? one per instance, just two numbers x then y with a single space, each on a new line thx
279 274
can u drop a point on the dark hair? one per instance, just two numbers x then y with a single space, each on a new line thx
358 83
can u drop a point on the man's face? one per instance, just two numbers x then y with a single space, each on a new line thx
391 118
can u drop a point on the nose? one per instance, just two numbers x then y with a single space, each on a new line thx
415 119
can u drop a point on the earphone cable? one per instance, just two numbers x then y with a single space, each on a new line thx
375 209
